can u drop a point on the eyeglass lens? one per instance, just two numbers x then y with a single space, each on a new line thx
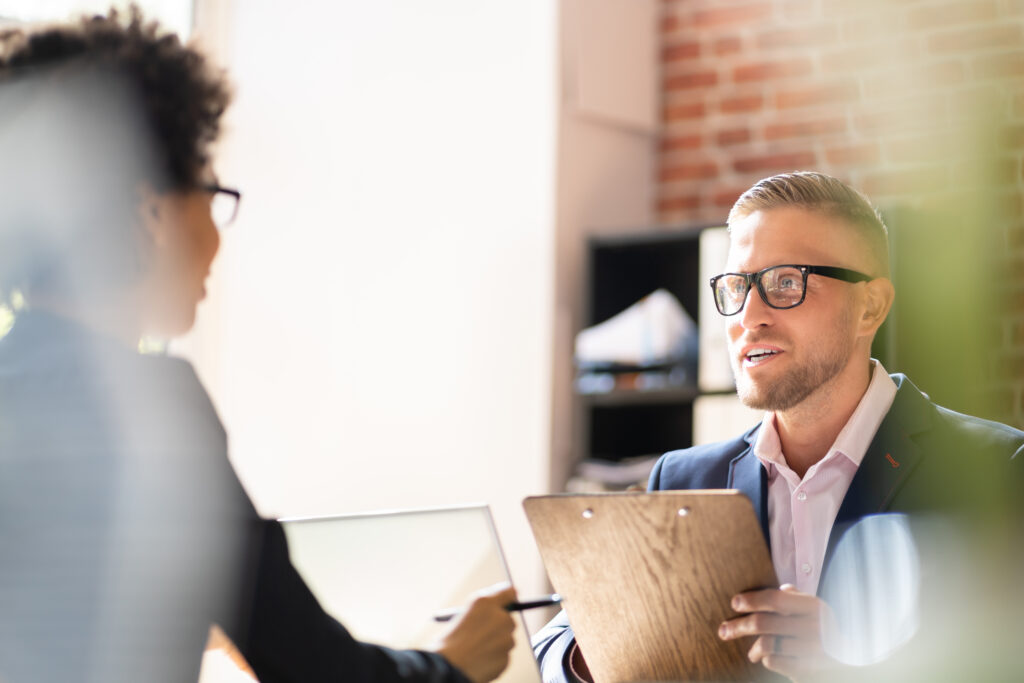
781 287
223 208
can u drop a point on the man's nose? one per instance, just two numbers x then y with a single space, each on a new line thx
756 313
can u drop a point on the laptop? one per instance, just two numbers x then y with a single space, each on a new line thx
385 574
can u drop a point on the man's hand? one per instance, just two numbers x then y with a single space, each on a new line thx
787 624
480 640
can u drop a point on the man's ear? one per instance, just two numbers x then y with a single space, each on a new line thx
879 294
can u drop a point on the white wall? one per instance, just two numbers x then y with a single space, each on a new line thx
607 145
378 333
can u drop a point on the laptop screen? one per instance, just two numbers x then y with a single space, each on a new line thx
384 575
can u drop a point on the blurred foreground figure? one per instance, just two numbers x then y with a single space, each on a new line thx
124 533
843 445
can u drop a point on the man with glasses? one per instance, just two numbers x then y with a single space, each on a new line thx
805 290
124 533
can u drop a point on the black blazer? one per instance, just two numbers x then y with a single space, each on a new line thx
923 458
124 532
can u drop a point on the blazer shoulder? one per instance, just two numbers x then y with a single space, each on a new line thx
981 434
699 467
950 430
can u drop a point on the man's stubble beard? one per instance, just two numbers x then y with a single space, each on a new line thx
799 382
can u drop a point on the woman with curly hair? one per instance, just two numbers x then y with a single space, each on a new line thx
124 533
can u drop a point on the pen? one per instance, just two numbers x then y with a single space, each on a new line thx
545 601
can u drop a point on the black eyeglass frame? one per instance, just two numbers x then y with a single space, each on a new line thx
834 272
215 189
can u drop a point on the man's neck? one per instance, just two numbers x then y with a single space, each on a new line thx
808 430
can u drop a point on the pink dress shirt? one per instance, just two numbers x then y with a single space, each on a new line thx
801 512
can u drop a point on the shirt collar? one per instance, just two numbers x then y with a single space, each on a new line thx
856 435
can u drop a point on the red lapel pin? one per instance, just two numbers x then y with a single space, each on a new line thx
891 460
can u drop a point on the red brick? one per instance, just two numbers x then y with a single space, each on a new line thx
926 112
794 129
681 142
992 174
934 15
853 154
857 59
725 198
792 10
930 77
918 149
1010 64
944 73
735 136
742 103
870 27
681 52
849 8
763 71
925 179
693 79
679 203
976 38
728 45
680 112
978 107
835 93
739 15
696 171
798 37
777 163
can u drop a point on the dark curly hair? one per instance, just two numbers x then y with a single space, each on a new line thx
88 111
181 97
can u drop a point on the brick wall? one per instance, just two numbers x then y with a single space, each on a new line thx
920 103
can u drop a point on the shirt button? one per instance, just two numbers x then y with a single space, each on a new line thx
801 496
805 568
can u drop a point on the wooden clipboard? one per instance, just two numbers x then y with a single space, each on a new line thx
646 579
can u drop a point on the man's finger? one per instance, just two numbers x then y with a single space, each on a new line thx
764 646
762 623
791 667
788 602
782 646
765 623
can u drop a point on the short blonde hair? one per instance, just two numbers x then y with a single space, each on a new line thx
820 192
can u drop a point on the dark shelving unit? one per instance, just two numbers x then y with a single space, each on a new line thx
621 270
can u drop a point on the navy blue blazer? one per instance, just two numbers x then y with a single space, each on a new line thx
923 458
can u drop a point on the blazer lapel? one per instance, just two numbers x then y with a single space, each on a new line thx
747 474
890 460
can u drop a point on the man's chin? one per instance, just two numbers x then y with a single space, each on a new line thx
754 400
761 398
